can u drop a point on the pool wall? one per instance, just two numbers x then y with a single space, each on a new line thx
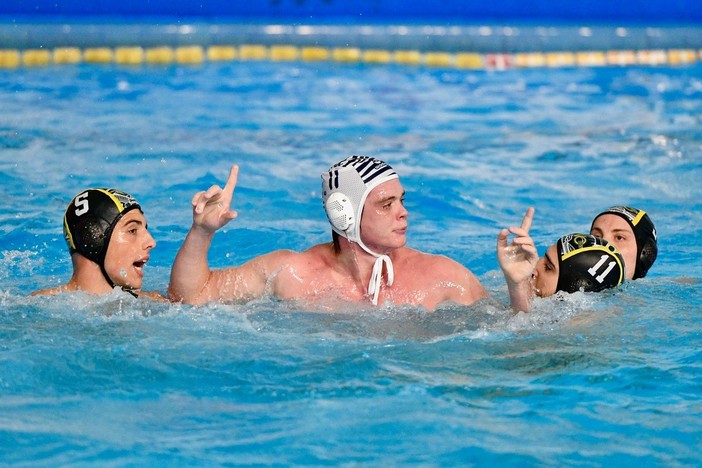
462 34
539 11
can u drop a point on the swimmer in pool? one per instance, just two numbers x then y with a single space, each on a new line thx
366 262
634 234
576 262
109 243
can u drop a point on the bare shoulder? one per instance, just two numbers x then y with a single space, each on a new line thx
435 268
269 264
318 254
430 263
55 290
47 292
441 278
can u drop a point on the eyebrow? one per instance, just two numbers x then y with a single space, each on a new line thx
550 260
133 221
391 197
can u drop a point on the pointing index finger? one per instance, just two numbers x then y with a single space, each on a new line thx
231 180
528 218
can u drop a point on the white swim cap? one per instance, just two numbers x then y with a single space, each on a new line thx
345 187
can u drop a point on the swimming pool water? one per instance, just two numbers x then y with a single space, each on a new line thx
588 380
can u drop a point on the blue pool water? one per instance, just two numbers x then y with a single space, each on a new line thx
590 380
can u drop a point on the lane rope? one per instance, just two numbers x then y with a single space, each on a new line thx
194 55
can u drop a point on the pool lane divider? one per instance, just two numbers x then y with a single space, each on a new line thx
194 55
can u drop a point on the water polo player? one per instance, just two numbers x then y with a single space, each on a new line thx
576 262
367 262
109 243
634 234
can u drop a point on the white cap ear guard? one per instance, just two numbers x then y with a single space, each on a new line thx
339 211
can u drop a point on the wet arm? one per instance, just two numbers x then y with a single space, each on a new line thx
191 271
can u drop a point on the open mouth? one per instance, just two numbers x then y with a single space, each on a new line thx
139 264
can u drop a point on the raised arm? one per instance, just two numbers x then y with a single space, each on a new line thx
517 261
191 275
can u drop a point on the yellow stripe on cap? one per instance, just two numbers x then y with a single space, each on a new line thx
638 217
67 229
567 255
118 204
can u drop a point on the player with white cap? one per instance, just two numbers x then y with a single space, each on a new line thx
368 260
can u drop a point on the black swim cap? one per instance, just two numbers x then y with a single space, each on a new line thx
588 263
644 232
89 220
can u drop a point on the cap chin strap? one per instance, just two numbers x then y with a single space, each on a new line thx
104 273
377 274
112 283
103 254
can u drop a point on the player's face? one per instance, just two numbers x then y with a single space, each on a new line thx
384 218
616 230
545 276
129 250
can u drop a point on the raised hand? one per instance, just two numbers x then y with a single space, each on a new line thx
211 208
518 259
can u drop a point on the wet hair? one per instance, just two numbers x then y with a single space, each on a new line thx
90 219
588 263
336 243
644 232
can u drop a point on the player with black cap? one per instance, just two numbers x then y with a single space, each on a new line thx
576 262
634 234
109 242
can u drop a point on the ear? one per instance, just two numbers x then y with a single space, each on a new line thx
648 255
340 211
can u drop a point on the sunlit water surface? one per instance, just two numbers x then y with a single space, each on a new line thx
586 379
